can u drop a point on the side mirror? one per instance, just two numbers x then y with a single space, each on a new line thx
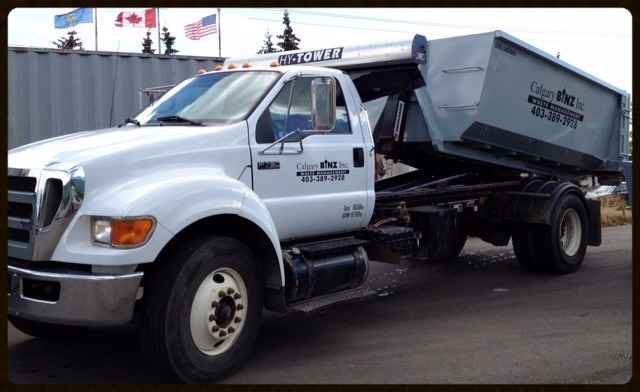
323 104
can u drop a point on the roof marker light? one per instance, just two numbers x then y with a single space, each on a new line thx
218 67
231 66
274 64
246 64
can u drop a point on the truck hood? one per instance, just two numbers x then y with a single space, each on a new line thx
130 147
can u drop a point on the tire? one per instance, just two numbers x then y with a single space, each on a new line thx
201 310
43 330
524 246
563 244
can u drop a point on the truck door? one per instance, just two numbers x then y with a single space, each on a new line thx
313 185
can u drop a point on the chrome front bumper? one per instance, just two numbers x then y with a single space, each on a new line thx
72 298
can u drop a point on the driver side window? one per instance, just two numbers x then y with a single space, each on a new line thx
290 111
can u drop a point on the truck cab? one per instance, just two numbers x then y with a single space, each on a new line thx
250 157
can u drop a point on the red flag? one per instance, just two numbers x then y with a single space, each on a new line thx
137 19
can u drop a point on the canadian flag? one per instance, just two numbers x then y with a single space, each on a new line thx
137 19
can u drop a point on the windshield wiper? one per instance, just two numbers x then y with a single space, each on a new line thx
178 119
130 121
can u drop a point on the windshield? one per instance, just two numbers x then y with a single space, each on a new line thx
223 97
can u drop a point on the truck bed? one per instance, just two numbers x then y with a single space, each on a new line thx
493 100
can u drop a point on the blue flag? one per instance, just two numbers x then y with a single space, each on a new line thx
70 19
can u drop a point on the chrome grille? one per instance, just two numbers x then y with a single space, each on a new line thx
22 198
40 205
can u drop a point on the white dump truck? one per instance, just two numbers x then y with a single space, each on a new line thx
253 186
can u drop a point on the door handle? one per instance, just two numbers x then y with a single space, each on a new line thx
358 157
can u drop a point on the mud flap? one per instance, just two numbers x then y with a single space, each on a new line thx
595 230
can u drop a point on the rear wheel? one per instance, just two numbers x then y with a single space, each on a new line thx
563 244
201 310
524 246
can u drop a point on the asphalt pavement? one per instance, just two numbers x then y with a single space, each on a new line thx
477 319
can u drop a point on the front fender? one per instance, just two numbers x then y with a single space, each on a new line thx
176 198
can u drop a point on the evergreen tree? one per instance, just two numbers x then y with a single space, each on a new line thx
168 40
268 46
147 42
289 41
72 42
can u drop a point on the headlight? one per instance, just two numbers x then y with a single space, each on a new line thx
129 232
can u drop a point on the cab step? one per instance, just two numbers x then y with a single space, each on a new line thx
315 304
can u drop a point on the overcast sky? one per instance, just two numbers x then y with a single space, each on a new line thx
597 41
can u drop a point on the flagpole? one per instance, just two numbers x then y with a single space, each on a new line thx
219 35
95 20
157 14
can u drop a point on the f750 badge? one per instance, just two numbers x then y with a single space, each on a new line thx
268 165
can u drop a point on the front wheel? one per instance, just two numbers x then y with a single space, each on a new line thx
201 310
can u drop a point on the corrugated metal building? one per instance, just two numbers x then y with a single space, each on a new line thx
54 92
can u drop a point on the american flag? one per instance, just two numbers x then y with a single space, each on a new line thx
204 26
